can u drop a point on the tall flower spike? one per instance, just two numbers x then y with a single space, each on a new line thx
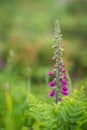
59 71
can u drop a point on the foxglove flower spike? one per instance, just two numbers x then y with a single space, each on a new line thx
59 70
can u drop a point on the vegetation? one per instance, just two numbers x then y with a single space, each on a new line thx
26 28
27 112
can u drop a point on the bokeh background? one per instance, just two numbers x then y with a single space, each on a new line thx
26 32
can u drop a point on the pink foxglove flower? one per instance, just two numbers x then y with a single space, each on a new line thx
65 92
60 81
64 76
64 88
63 64
64 82
52 93
52 83
63 70
51 73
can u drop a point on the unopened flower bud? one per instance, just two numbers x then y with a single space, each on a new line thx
61 77
54 88
63 70
54 70
55 53
61 49
56 60
53 58
56 66
56 36
53 40
63 64
54 46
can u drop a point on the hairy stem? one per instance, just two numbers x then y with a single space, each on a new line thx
58 72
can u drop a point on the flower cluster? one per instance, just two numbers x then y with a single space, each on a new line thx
59 84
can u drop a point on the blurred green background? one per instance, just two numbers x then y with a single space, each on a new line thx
26 32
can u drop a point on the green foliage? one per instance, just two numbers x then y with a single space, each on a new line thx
19 113
38 114
2 108
12 109
70 114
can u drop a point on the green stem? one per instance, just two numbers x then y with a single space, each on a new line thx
58 74
57 97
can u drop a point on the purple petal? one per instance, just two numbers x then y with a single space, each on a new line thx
52 83
64 76
63 64
65 92
64 82
56 76
63 70
64 88
51 73
52 93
